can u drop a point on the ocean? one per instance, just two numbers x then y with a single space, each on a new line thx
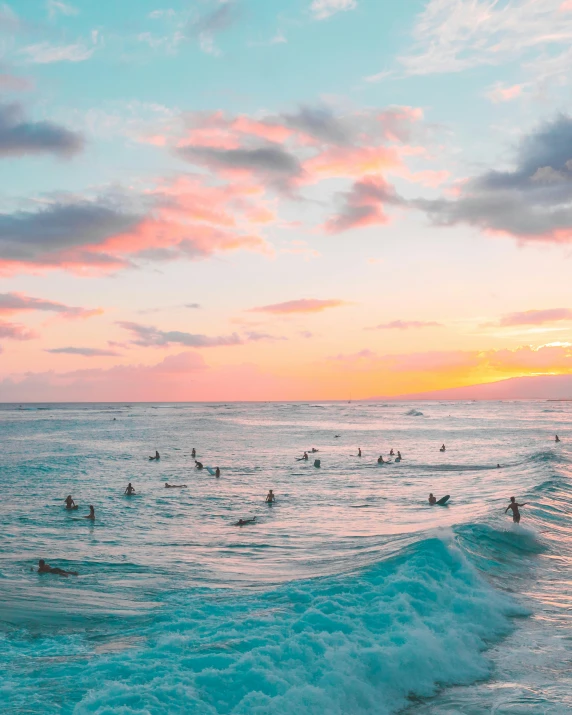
349 595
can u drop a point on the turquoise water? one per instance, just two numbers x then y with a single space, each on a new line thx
349 595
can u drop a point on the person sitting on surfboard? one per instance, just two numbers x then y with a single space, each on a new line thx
432 499
270 497
70 504
391 452
91 514
557 438
198 465
398 454
43 567
442 448
305 456
380 460
129 490
174 486
515 512
157 456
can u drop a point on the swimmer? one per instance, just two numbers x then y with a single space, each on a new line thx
557 438
270 497
217 473
442 448
391 452
336 436
156 457
398 454
432 499
43 567
91 514
175 486
305 456
498 466
194 453
198 465
380 460
129 490
70 504
242 522
359 452
515 512
313 450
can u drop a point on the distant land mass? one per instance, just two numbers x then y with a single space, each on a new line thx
540 387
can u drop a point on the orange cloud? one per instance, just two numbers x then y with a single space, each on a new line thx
303 305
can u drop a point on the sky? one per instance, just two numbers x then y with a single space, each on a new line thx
223 200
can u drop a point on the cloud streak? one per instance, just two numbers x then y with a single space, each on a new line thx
18 302
150 336
84 352
407 325
13 331
303 305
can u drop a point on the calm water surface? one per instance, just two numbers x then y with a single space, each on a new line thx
349 595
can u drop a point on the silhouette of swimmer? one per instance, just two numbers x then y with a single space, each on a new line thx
313 450
398 454
380 460
515 512
43 567
174 486
91 514
156 457
194 453
498 466
242 522
359 452
198 465
336 436
70 504
442 448
391 452
129 490
557 438
305 456
432 499
270 497
217 473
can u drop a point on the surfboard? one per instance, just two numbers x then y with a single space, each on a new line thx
443 500
210 470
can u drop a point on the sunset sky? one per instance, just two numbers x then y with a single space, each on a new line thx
282 199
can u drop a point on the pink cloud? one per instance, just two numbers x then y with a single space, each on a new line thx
499 93
536 317
407 325
363 205
11 303
303 305
13 331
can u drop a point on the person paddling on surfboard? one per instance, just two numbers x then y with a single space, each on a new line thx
515 512
270 497
242 522
70 504
43 567
175 486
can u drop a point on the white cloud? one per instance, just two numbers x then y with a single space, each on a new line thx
454 35
322 9
55 6
44 53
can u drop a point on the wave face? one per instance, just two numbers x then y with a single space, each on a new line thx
320 607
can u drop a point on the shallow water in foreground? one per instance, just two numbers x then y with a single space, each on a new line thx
349 595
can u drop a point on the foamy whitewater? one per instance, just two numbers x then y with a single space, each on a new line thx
350 595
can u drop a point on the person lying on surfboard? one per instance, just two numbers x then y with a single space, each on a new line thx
43 567
242 522
175 486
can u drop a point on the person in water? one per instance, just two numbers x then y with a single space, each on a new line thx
198 465
515 512
313 450
380 460
194 453
391 452
557 438
305 456
129 490
242 522
70 504
217 473
498 466
43 567
442 448
175 486
157 456
398 454
91 514
432 499
270 497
